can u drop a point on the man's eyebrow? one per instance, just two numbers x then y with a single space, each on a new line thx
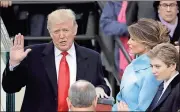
56 29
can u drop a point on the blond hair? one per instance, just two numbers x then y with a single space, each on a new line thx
149 32
167 53
60 15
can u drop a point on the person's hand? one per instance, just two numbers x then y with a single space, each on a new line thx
100 93
121 106
5 3
17 53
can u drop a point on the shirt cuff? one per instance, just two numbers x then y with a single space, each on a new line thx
11 67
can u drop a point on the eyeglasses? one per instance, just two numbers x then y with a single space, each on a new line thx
173 5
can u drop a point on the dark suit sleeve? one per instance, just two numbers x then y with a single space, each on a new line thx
13 81
146 10
177 101
131 12
139 9
102 82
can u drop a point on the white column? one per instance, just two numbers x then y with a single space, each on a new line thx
3 94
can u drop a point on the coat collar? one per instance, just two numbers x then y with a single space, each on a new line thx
141 62
82 65
80 54
48 60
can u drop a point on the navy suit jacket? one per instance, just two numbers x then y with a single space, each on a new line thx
170 100
38 73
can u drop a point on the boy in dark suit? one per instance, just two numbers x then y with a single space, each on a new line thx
165 66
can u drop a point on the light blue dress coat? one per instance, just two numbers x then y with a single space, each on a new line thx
138 86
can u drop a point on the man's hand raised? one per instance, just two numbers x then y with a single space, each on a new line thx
17 53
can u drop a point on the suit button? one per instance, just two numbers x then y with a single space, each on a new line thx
55 99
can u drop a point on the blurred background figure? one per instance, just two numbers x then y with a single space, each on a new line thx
165 66
113 25
139 9
5 40
167 12
82 96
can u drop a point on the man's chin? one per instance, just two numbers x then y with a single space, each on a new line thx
64 48
168 20
158 78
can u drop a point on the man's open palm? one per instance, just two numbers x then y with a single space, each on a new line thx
17 53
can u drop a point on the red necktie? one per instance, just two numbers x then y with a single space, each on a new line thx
63 83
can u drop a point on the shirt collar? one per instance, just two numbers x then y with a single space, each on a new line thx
71 51
141 62
166 83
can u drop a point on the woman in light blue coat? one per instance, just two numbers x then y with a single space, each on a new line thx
138 84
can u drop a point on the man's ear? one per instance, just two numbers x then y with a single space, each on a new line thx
68 102
95 101
75 29
173 67
50 33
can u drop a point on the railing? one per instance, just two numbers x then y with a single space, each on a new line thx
50 2
78 37
119 43
110 58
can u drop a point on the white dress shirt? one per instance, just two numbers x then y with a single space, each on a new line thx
166 83
71 60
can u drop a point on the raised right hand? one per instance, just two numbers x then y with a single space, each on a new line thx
17 53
